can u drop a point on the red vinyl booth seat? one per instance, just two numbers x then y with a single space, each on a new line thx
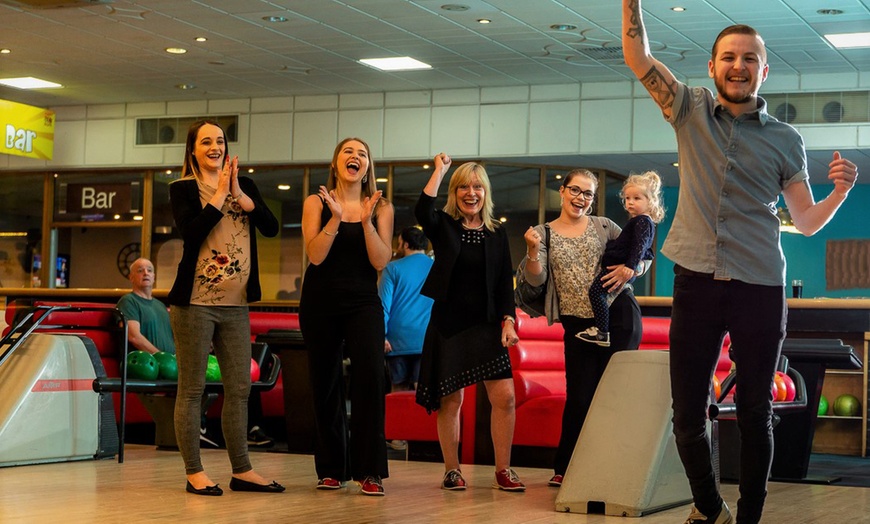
99 324
538 363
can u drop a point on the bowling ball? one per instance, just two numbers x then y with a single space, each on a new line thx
779 388
790 390
168 366
141 364
823 406
847 406
255 371
212 370
717 387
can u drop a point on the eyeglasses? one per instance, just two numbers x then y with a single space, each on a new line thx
576 191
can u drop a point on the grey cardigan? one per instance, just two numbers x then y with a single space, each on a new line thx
607 230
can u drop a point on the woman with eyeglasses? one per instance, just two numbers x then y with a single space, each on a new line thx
577 241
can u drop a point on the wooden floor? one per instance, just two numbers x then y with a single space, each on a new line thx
149 487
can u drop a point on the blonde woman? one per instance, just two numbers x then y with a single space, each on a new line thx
472 321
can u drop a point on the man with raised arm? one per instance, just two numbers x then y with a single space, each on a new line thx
735 161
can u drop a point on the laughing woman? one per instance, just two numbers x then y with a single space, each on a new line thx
472 321
218 214
347 229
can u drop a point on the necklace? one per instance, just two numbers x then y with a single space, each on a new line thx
470 228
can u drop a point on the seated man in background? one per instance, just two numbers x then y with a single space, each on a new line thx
406 311
148 329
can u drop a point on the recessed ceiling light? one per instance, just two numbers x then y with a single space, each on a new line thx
484 21
425 166
849 40
117 217
563 27
830 11
284 187
397 63
558 177
168 171
250 170
176 50
502 219
675 164
275 18
138 217
29 82
678 9
5 51
454 7
201 39
185 87
381 180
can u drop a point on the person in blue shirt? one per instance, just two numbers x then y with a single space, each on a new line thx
406 311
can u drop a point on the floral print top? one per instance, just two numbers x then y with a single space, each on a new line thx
224 263
574 263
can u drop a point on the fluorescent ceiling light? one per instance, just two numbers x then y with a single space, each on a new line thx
849 40
28 82
398 63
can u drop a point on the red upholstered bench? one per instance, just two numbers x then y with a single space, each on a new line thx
538 363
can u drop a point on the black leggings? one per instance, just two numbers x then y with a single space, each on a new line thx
585 363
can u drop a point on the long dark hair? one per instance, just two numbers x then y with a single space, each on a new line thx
190 168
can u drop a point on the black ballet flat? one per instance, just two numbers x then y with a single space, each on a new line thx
237 484
209 491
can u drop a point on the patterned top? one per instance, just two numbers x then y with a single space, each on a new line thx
573 262
224 262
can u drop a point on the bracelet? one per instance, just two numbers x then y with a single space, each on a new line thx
533 259
328 233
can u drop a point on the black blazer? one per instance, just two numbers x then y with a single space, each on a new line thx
195 222
445 233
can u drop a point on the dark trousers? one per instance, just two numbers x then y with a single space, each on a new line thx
584 365
703 311
360 333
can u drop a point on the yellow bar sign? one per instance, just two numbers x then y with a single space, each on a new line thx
27 130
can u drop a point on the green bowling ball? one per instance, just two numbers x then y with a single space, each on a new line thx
823 406
212 370
847 406
141 364
168 366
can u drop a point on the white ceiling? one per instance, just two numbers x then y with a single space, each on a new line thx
106 51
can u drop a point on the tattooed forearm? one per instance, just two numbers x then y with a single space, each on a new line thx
636 29
662 91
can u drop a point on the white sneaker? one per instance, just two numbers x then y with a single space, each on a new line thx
724 516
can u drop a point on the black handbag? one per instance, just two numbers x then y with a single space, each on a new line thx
527 297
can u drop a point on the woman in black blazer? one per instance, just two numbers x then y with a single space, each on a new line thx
472 321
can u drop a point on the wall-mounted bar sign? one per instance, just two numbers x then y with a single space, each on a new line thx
27 130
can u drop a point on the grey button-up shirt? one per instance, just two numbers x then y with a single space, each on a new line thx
732 171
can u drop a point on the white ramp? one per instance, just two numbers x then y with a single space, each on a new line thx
49 411
625 462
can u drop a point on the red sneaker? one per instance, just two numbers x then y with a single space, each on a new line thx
453 481
329 483
372 486
507 480
555 481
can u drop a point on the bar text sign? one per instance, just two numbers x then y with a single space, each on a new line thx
27 130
